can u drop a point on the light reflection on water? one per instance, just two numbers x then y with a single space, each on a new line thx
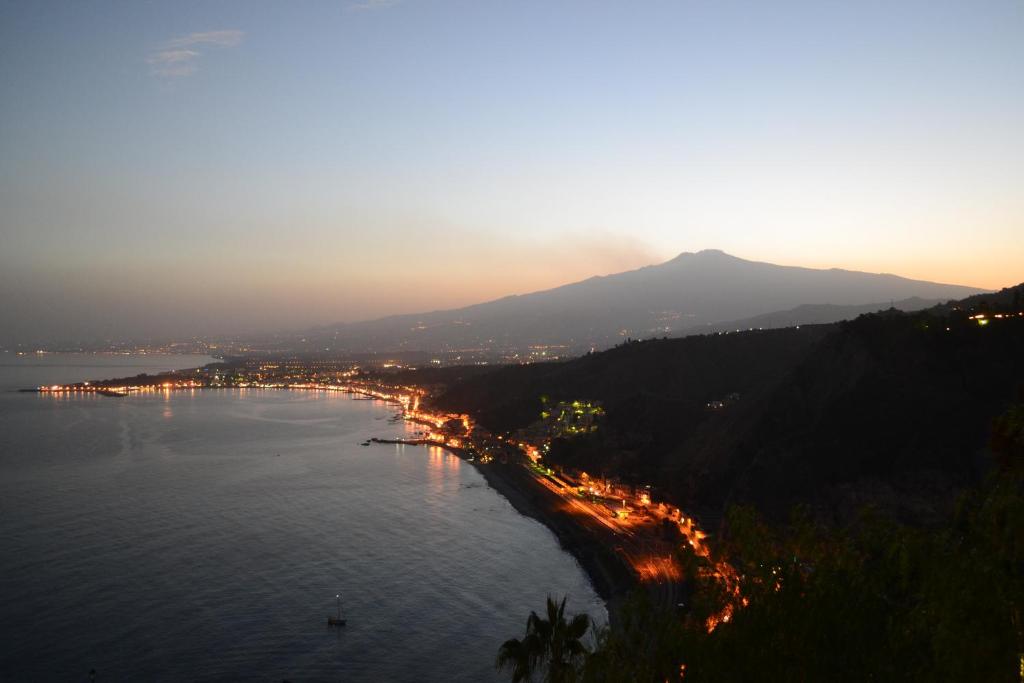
204 534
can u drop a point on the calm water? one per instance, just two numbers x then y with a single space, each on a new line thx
204 535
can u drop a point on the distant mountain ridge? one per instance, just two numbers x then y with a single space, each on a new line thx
815 314
689 291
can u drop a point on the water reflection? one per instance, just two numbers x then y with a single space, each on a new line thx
224 530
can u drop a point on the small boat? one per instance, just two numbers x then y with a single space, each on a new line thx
111 392
336 621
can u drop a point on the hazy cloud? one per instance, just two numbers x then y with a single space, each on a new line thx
373 4
228 38
180 56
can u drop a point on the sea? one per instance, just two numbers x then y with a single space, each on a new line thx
206 535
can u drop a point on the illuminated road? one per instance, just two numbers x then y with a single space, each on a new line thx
599 514
637 542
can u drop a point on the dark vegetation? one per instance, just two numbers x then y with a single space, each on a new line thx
654 392
1007 298
552 644
890 409
870 493
875 600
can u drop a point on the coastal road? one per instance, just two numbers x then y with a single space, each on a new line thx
651 558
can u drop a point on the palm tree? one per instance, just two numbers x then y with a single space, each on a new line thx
552 647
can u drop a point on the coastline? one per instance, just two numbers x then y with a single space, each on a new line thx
609 575
593 549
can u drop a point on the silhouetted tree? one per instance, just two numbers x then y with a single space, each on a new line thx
551 647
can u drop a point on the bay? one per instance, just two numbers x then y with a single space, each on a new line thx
203 535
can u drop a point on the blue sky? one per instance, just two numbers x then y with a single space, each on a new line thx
212 167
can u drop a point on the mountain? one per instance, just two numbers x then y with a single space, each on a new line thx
685 293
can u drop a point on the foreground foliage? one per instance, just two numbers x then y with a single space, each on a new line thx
876 601
552 647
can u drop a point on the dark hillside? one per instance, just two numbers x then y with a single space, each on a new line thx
654 392
891 409
1008 298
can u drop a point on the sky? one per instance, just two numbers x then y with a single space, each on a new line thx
193 168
